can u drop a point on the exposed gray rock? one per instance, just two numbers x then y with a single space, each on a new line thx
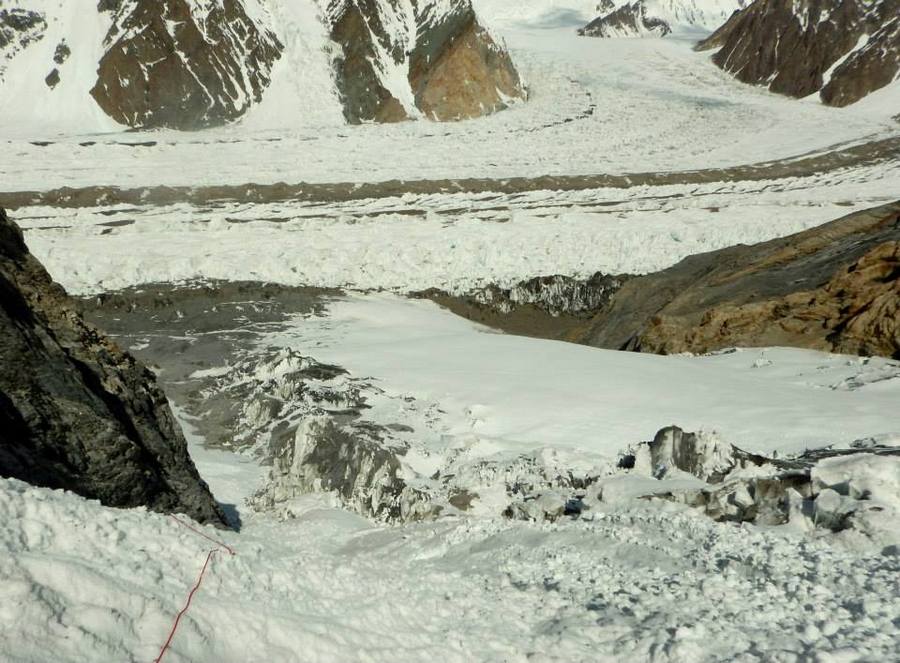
75 411
108 5
62 52
52 79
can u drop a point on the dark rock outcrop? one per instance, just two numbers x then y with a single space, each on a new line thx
173 63
420 59
834 288
629 20
18 28
843 49
75 411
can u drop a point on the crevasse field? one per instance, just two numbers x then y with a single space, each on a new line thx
630 580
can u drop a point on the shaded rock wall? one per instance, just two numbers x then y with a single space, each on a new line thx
843 48
834 288
75 411
183 64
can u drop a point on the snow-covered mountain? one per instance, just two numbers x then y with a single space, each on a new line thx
842 49
658 18
424 58
183 64
189 64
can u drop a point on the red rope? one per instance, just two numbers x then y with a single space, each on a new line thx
197 531
196 586
187 605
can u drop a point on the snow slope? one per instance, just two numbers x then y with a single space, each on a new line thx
660 18
302 90
69 107
629 580
637 583
597 402
693 17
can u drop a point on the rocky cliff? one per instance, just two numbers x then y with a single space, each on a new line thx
418 59
834 288
842 49
75 411
183 64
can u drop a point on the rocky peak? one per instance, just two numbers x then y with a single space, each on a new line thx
631 20
843 49
78 413
658 18
419 59
183 64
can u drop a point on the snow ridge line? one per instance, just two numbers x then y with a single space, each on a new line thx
187 604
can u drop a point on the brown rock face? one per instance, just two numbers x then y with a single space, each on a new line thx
845 48
471 76
172 63
75 411
397 65
834 288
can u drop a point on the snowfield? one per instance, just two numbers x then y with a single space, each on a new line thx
632 583
516 394
628 579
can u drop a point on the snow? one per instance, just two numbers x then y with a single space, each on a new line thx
455 242
631 579
685 17
27 104
568 396
694 17
302 87
595 106
634 582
